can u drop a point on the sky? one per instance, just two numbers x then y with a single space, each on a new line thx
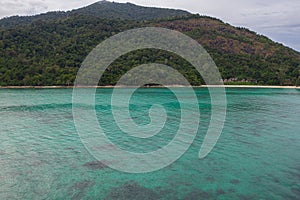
277 19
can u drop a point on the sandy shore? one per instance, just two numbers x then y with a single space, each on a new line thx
174 86
256 86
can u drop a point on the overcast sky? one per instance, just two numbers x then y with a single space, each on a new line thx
277 19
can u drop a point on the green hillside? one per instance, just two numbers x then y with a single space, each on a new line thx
48 49
101 9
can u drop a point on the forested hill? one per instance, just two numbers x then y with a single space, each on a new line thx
48 49
101 9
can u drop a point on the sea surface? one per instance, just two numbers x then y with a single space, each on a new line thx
256 157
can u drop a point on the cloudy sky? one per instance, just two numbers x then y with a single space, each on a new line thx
277 19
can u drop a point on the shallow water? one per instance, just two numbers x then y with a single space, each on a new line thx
256 157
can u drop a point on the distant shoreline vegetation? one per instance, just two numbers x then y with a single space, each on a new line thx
48 49
170 86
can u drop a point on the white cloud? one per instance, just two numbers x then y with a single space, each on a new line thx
19 7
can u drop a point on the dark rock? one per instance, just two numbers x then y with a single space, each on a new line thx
95 165
231 190
296 191
198 194
246 197
77 191
132 191
220 192
82 185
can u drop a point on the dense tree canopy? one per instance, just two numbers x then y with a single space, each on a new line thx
49 51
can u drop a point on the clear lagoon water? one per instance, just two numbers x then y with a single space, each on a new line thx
256 157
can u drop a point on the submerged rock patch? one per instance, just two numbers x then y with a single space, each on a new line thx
220 192
296 191
94 165
235 181
247 197
198 194
132 191
77 191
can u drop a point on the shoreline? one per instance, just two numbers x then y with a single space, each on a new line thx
172 86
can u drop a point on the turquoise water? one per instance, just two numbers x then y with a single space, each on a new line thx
256 157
